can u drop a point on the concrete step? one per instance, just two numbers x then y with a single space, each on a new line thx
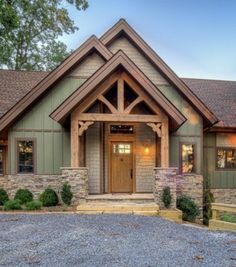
118 207
133 198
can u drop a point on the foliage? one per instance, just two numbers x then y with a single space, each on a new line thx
66 194
188 207
227 217
49 198
34 205
12 205
166 197
29 32
3 196
24 196
208 198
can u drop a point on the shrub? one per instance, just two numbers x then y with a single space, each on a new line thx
49 198
24 195
227 217
166 197
34 205
208 198
12 205
3 196
188 207
66 194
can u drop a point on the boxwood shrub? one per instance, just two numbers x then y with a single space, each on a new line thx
3 196
49 198
66 194
34 205
24 195
188 207
13 204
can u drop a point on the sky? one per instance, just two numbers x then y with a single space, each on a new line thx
196 38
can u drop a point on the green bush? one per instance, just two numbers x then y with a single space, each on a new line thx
227 217
166 197
24 195
66 194
208 198
3 196
12 205
188 207
49 198
34 205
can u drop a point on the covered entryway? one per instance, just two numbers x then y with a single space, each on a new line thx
122 106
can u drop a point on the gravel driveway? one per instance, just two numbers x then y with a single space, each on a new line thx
110 240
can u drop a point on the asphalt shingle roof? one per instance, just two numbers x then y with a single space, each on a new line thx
218 96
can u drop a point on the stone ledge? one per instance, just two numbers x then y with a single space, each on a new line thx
73 168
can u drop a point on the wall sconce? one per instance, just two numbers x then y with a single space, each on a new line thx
146 148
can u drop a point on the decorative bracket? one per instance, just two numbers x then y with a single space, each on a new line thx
83 126
156 127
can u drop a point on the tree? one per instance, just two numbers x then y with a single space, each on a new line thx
29 31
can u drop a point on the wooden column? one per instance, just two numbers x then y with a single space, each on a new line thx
165 144
74 141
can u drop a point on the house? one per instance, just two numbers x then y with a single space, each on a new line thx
114 118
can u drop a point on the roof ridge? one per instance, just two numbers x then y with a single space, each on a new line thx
206 79
25 71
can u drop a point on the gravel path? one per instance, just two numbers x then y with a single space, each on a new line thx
110 240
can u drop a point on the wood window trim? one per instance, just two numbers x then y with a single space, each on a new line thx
216 155
17 140
194 159
4 160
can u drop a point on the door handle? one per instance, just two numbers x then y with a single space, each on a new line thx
131 173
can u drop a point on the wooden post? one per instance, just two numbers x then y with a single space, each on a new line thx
120 95
165 144
74 139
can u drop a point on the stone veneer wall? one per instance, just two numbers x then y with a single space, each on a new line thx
187 184
227 196
190 185
164 177
77 177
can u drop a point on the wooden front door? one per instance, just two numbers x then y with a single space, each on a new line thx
121 166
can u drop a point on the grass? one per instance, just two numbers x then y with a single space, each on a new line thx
227 217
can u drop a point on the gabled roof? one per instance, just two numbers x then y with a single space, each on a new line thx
57 74
16 84
219 96
122 27
118 60
90 45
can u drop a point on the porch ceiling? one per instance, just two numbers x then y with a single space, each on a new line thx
119 60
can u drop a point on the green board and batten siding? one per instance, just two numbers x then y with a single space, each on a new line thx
218 178
189 132
52 141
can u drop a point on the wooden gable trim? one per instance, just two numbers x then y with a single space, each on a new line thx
119 59
123 27
78 55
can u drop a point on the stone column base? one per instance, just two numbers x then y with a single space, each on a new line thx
78 179
164 177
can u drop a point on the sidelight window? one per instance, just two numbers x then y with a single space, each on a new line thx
25 156
187 158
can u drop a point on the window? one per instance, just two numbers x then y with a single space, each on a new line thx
25 156
1 161
121 129
226 158
121 148
187 158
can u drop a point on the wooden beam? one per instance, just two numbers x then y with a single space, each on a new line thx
156 127
83 126
117 117
120 95
165 144
74 139
108 104
133 104
100 90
